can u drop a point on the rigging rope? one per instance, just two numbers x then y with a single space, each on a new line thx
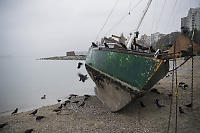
176 94
171 15
192 72
171 100
162 9
181 64
123 17
106 20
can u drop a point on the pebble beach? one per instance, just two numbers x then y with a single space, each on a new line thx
95 117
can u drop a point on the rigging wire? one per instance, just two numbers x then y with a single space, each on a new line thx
173 10
123 17
162 10
172 92
107 19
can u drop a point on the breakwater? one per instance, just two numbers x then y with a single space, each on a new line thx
76 57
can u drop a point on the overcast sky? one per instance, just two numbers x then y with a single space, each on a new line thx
52 27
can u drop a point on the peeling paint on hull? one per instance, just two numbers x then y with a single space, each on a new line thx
121 77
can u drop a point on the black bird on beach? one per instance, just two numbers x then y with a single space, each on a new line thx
82 77
158 104
75 102
181 110
3 124
86 98
40 117
67 101
82 104
189 105
73 95
29 131
86 95
142 104
185 86
34 112
57 110
58 100
60 107
64 104
79 65
15 111
169 95
154 90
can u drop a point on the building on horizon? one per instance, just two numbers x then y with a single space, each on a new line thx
192 20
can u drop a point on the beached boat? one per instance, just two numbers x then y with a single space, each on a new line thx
123 72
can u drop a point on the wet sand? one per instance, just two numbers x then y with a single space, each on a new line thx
94 117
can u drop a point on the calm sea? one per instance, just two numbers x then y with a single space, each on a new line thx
24 80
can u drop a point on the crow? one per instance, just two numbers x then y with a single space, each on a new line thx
60 107
15 111
185 86
57 110
181 110
34 112
158 104
79 65
73 95
154 90
75 102
67 101
64 104
40 117
189 105
82 77
170 95
82 104
142 104
3 125
86 95
86 98
29 131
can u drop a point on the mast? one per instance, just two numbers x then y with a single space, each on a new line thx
132 36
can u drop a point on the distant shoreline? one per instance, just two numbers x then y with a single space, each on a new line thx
76 57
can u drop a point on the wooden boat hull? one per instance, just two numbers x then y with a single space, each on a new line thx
121 76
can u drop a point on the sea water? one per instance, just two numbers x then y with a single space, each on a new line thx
24 80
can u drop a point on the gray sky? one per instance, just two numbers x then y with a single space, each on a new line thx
52 27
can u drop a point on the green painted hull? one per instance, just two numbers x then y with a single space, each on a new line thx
131 72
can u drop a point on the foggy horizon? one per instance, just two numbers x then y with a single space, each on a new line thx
53 27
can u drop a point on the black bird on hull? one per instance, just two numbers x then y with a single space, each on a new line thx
15 111
158 104
79 65
34 112
82 77
3 125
